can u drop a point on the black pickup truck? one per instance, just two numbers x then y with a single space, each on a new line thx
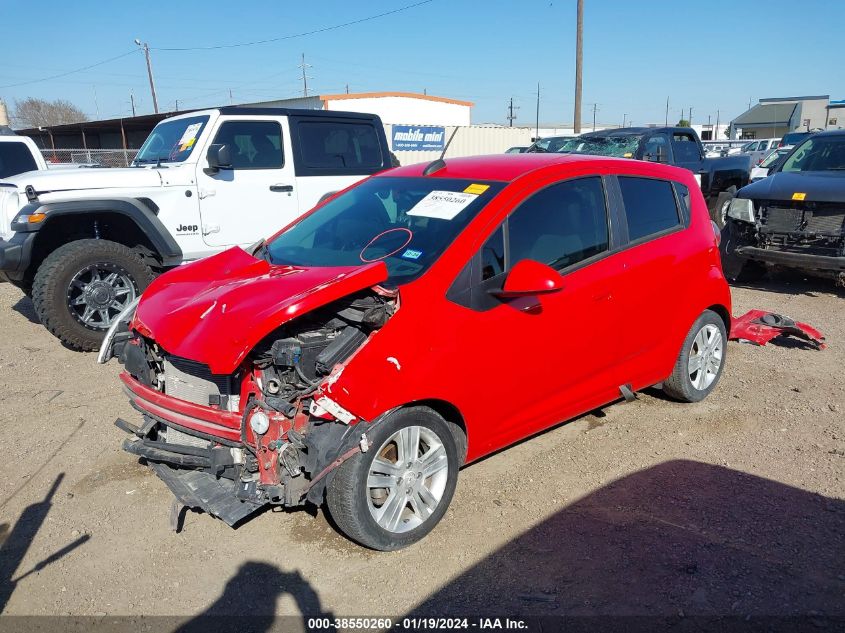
795 218
720 177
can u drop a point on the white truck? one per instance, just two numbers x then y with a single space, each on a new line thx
85 242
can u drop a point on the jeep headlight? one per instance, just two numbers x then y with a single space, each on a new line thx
741 209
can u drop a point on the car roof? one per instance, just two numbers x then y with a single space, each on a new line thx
509 167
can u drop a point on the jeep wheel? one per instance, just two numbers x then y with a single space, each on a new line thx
719 212
395 493
82 286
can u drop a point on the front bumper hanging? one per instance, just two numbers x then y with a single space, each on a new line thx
760 327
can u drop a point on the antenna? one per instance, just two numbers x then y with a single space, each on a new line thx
437 165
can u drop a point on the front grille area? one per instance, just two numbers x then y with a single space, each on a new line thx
172 436
192 381
815 219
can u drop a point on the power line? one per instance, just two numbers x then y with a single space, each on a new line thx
290 37
70 72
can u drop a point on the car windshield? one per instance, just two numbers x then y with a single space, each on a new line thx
822 153
620 146
405 222
793 138
171 141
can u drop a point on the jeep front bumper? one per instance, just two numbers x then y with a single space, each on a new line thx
15 256
790 259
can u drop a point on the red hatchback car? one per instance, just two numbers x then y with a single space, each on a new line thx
415 322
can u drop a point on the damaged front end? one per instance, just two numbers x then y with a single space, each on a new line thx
265 434
805 235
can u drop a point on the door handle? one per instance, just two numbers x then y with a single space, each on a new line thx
282 188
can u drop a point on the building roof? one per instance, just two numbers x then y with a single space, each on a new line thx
407 95
806 98
142 122
767 114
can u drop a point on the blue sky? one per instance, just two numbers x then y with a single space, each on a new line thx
708 54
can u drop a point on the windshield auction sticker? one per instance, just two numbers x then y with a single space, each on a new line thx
442 205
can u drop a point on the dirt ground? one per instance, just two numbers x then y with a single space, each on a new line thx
733 506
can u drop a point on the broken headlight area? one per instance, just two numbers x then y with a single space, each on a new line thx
231 444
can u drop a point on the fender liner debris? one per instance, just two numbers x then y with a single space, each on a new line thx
760 327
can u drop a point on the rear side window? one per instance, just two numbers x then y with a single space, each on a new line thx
649 206
339 145
15 158
561 225
253 144
686 149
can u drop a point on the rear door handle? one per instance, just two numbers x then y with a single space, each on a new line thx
282 188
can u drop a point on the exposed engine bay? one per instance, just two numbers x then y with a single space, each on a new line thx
267 434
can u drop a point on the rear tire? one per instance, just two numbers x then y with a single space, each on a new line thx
418 481
701 360
751 272
80 288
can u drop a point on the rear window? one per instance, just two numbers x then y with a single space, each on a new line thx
649 206
15 158
339 145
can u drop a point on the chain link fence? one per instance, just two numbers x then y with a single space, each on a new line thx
89 157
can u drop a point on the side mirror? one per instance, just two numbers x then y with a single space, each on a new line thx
528 278
219 157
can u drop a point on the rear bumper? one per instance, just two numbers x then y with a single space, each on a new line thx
15 256
793 260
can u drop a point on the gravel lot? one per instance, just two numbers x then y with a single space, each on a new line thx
733 506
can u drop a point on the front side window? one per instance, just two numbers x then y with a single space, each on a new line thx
405 222
338 145
561 225
657 148
650 206
171 141
15 158
252 144
493 255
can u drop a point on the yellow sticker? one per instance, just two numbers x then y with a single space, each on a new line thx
798 196
476 189
628 155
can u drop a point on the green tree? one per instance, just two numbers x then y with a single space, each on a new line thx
683 123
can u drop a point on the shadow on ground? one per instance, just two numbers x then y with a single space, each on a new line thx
677 540
24 307
16 543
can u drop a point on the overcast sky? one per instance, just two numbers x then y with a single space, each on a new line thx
708 54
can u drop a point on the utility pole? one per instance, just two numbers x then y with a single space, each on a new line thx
579 45
624 116
537 131
96 105
230 96
347 88
132 101
689 120
511 116
595 108
177 105
303 66
716 132
667 111
146 48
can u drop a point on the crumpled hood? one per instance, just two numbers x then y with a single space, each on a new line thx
47 180
216 310
819 187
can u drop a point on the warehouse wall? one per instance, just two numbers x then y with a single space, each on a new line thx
400 109
471 140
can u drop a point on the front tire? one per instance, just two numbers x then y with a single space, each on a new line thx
701 360
396 493
82 286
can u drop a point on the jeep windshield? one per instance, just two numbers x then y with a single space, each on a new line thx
171 141
405 222
616 146
820 153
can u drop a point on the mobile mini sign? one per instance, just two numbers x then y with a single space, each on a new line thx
418 138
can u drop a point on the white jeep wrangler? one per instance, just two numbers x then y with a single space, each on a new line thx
86 242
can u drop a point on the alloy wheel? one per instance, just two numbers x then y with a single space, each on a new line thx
98 293
705 357
407 479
